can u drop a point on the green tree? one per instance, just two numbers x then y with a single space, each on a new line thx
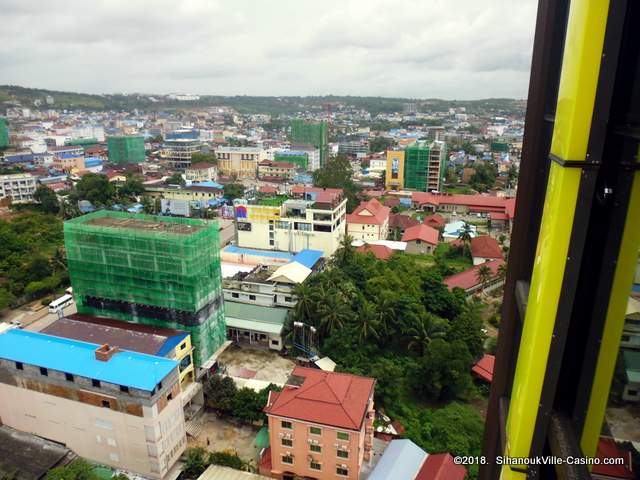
6 298
465 234
467 327
233 191
367 323
446 366
428 328
502 271
176 179
333 312
220 392
200 157
345 253
380 144
132 186
195 461
306 302
483 276
95 188
337 173
227 459
47 199
77 470
485 177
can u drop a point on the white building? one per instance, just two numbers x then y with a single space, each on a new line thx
19 186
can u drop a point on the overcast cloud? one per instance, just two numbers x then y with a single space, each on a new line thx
456 49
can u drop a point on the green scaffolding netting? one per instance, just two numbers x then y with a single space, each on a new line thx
164 262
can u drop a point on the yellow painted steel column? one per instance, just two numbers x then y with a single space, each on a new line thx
576 96
614 324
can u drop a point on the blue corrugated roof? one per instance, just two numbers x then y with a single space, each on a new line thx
260 253
131 369
308 258
171 343
401 460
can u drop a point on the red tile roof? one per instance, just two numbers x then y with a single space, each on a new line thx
377 214
421 232
441 467
397 220
391 201
498 216
436 220
510 207
469 278
328 398
485 246
607 448
484 367
267 189
381 252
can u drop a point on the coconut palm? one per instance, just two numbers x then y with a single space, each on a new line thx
333 313
483 275
502 270
306 302
345 252
367 322
428 327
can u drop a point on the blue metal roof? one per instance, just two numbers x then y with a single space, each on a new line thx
260 253
401 460
308 258
171 343
131 369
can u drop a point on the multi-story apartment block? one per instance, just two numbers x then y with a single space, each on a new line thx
19 186
315 219
68 158
320 425
161 271
369 221
306 158
309 133
201 172
395 170
114 407
126 149
241 162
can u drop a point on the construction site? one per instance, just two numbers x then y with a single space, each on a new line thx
159 271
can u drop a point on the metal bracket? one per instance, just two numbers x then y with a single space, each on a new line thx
584 165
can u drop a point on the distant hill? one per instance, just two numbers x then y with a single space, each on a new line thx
245 104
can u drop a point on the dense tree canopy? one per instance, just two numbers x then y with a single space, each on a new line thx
485 177
337 173
96 188
47 199
233 191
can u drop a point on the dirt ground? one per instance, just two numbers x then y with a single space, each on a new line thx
624 422
224 434
258 364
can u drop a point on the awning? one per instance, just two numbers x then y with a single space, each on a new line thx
326 364
253 325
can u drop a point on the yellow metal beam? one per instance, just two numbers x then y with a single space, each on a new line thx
576 96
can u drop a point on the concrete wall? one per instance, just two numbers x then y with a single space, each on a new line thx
421 248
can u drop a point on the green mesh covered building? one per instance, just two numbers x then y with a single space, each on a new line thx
126 149
160 271
304 132
424 166
4 133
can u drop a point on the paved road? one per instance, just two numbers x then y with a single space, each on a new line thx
34 320
227 231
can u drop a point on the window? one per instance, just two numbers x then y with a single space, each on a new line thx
626 338
19 366
95 383
288 299
287 442
68 377
343 436
124 389
315 448
252 297
287 425
169 397
633 393
106 404
315 430
235 294
342 471
287 459
275 342
44 371
343 454
314 465
183 346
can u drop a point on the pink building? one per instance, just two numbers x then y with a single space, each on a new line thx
321 425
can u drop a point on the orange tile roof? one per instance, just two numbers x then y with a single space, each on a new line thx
441 467
469 278
379 213
328 398
421 232
381 252
485 246
484 367
435 220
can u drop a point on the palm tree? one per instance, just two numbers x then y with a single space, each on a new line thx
385 313
464 234
345 252
483 276
367 322
333 313
306 301
59 259
428 327
502 270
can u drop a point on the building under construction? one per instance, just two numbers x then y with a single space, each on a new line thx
160 271
304 132
424 166
126 149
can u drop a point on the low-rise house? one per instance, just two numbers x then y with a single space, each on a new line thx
114 407
201 172
276 171
470 282
381 252
320 425
435 220
369 221
421 239
401 222
484 249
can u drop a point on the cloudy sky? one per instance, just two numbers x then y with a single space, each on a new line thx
455 49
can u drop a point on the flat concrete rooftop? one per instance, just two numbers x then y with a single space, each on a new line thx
146 225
